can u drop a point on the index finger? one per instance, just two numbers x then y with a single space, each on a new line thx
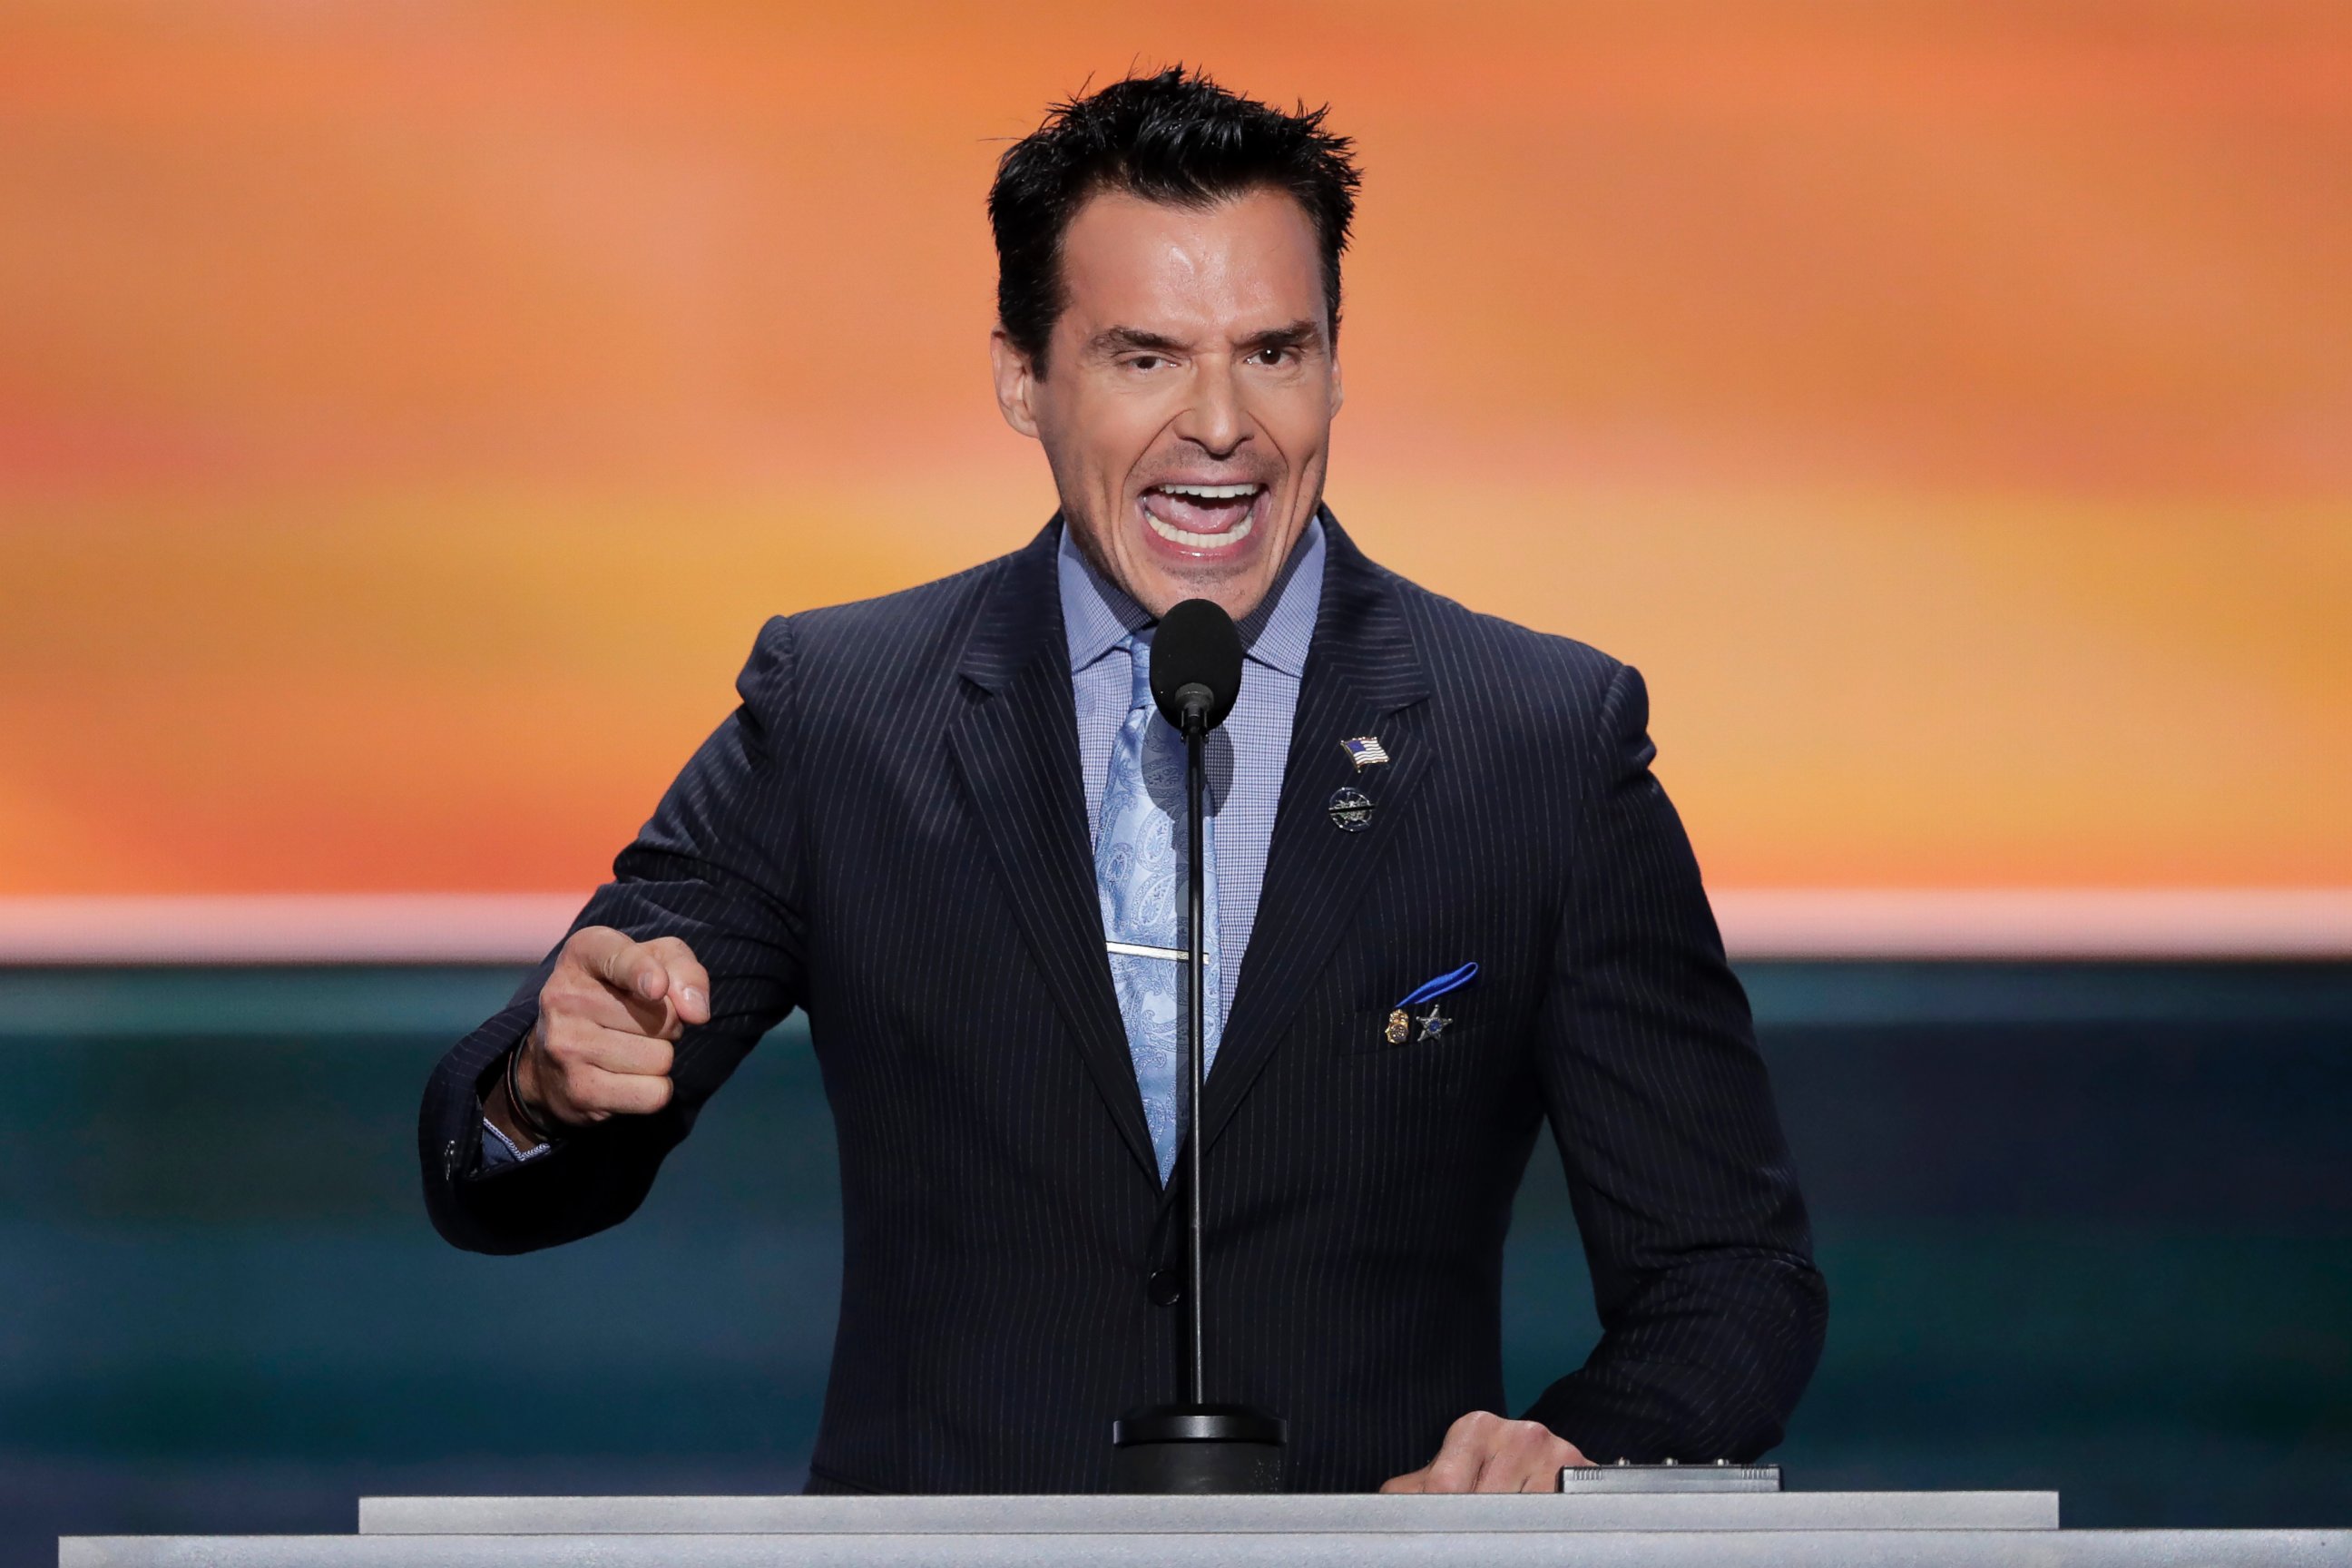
689 984
619 961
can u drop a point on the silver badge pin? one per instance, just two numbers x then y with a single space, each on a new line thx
1365 751
1433 1023
1350 809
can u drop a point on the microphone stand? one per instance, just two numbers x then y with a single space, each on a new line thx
1197 1447
1196 1046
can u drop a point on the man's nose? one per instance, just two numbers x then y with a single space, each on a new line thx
1212 418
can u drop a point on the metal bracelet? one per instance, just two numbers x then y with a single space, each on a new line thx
515 1107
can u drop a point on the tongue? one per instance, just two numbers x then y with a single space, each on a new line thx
1196 515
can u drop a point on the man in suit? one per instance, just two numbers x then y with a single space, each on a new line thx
1451 903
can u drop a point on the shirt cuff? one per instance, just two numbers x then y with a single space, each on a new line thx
498 1149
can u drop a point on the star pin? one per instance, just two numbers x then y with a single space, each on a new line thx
1433 1023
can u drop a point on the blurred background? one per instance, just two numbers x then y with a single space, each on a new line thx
409 414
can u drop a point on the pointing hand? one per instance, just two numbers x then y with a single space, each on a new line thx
602 1045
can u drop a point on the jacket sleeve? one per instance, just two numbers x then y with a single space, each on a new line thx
717 867
1711 1310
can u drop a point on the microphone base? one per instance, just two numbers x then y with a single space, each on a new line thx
1198 1448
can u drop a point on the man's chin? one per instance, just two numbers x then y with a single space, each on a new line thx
1236 580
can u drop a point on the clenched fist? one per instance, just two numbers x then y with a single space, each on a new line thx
601 1047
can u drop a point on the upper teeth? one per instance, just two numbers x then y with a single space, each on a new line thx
1212 492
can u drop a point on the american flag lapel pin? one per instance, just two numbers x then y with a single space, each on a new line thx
1365 751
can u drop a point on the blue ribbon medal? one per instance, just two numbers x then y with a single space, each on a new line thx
1433 1022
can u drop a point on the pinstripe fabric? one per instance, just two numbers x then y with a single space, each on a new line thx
891 832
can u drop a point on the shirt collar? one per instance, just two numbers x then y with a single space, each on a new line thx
1097 615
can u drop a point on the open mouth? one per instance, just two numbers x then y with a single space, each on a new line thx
1202 517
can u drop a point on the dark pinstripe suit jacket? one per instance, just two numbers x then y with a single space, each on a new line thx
890 833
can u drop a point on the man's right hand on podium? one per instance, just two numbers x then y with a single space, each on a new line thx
602 1044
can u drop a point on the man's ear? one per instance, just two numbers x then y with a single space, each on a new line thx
1016 382
1338 388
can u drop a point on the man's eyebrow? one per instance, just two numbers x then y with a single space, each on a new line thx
1129 339
1297 334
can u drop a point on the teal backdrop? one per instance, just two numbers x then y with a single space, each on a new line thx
2085 1227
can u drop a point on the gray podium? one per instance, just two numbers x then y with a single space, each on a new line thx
1764 1530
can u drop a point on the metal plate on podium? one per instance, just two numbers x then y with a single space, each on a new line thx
1669 1478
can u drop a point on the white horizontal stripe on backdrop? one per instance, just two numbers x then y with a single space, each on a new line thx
2078 924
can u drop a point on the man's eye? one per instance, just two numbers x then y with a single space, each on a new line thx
1145 361
1271 356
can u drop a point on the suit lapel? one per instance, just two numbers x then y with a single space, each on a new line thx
1016 748
1363 677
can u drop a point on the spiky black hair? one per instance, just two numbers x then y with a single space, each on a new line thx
1174 137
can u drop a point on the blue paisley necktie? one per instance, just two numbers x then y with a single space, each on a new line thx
1140 876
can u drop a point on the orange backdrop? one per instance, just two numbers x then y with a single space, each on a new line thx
408 414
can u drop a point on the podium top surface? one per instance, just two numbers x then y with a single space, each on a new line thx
1303 1513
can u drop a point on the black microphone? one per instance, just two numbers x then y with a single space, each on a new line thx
1196 1446
1196 665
